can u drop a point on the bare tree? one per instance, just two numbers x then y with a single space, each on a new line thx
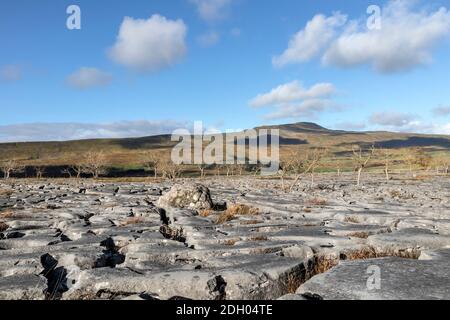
201 167
387 160
11 166
68 172
361 159
152 161
39 170
416 157
94 163
171 170
307 162
240 168
78 168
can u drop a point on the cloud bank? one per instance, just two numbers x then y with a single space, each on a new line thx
406 39
75 131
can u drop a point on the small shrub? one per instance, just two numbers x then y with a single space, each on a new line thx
7 214
351 219
307 210
5 192
3 226
236 210
258 238
205 213
172 233
230 242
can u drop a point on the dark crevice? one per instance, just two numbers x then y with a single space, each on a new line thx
56 278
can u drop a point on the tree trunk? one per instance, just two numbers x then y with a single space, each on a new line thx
386 171
358 181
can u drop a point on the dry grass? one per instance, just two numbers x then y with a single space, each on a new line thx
250 222
362 235
3 226
5 192
7 214
292 283
230 242
351 219
307 210
205 213
258 238
132 221
322 264
317 202
236 210
373 253
173 233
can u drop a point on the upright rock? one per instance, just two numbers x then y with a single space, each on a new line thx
192 196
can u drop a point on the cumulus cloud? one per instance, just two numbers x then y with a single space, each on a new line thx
391 119
149 45
208 39
293 91
75 131
405 40
11 73
292 100
309 42
86 78
441 111
212 10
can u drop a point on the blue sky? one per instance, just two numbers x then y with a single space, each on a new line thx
229 63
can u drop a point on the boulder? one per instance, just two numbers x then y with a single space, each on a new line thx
192 196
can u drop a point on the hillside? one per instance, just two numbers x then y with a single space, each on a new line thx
125 153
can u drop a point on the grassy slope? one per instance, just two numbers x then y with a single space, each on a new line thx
125 152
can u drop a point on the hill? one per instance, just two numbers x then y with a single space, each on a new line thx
126 153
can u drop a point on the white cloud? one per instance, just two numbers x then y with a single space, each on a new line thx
149 45
292 100
208 39
441 111
291 92
391 119
212 10
75 131
11 73
406 39
309 42
86 78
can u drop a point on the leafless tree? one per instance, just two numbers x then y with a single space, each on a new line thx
39 170
306 162
171 170
94 163
78 168
11 166
388 156
152 161
68 172
416 157
361 159
201 167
